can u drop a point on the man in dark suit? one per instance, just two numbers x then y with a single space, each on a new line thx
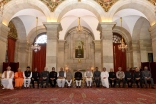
35 77
53 77
112 78
129 77
45 77
78 78
97 77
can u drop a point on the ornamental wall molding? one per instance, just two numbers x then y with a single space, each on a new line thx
52 4
4 1
152 1
106 4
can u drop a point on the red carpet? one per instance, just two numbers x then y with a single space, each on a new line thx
79 96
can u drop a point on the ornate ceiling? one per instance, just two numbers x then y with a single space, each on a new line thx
153 2
106 4
52 4
4 1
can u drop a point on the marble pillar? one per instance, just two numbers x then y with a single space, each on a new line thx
53 29
145 48
153 37
106 30
61 57
136 53
98 59
22 53
3 43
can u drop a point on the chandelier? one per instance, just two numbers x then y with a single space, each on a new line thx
36 47
122 46
79 27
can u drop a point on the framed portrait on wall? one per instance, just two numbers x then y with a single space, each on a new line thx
79 49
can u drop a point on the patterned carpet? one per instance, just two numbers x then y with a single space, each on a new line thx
79 96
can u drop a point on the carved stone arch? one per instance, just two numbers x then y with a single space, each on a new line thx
84 30
90 5
122 31
21 32
17 5
32 34
143 6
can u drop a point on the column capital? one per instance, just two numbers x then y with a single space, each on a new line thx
106 29
106 26
50 26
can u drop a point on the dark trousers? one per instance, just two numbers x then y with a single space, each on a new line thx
35 79
137 83
44 80
121 80
52 82
112 82
129 82
97 82
151 80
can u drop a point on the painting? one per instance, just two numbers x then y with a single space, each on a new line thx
79 49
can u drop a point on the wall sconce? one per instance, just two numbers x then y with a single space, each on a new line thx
66 67
92 68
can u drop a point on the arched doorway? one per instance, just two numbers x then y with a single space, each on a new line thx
39 57
118 55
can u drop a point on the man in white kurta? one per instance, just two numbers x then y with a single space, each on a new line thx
88 76
61 78
7 79
27 77
104 78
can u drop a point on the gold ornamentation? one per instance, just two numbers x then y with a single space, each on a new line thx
52 4
106 4
79 60
152 1
13 32
4 1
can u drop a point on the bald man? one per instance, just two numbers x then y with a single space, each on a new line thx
120 76
7 79
147 77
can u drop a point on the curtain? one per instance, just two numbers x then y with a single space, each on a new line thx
39 58
119 58
11 49
14 66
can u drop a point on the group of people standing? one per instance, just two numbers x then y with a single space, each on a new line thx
62 77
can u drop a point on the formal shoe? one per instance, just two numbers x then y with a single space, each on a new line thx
90 86
153 88
79 86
